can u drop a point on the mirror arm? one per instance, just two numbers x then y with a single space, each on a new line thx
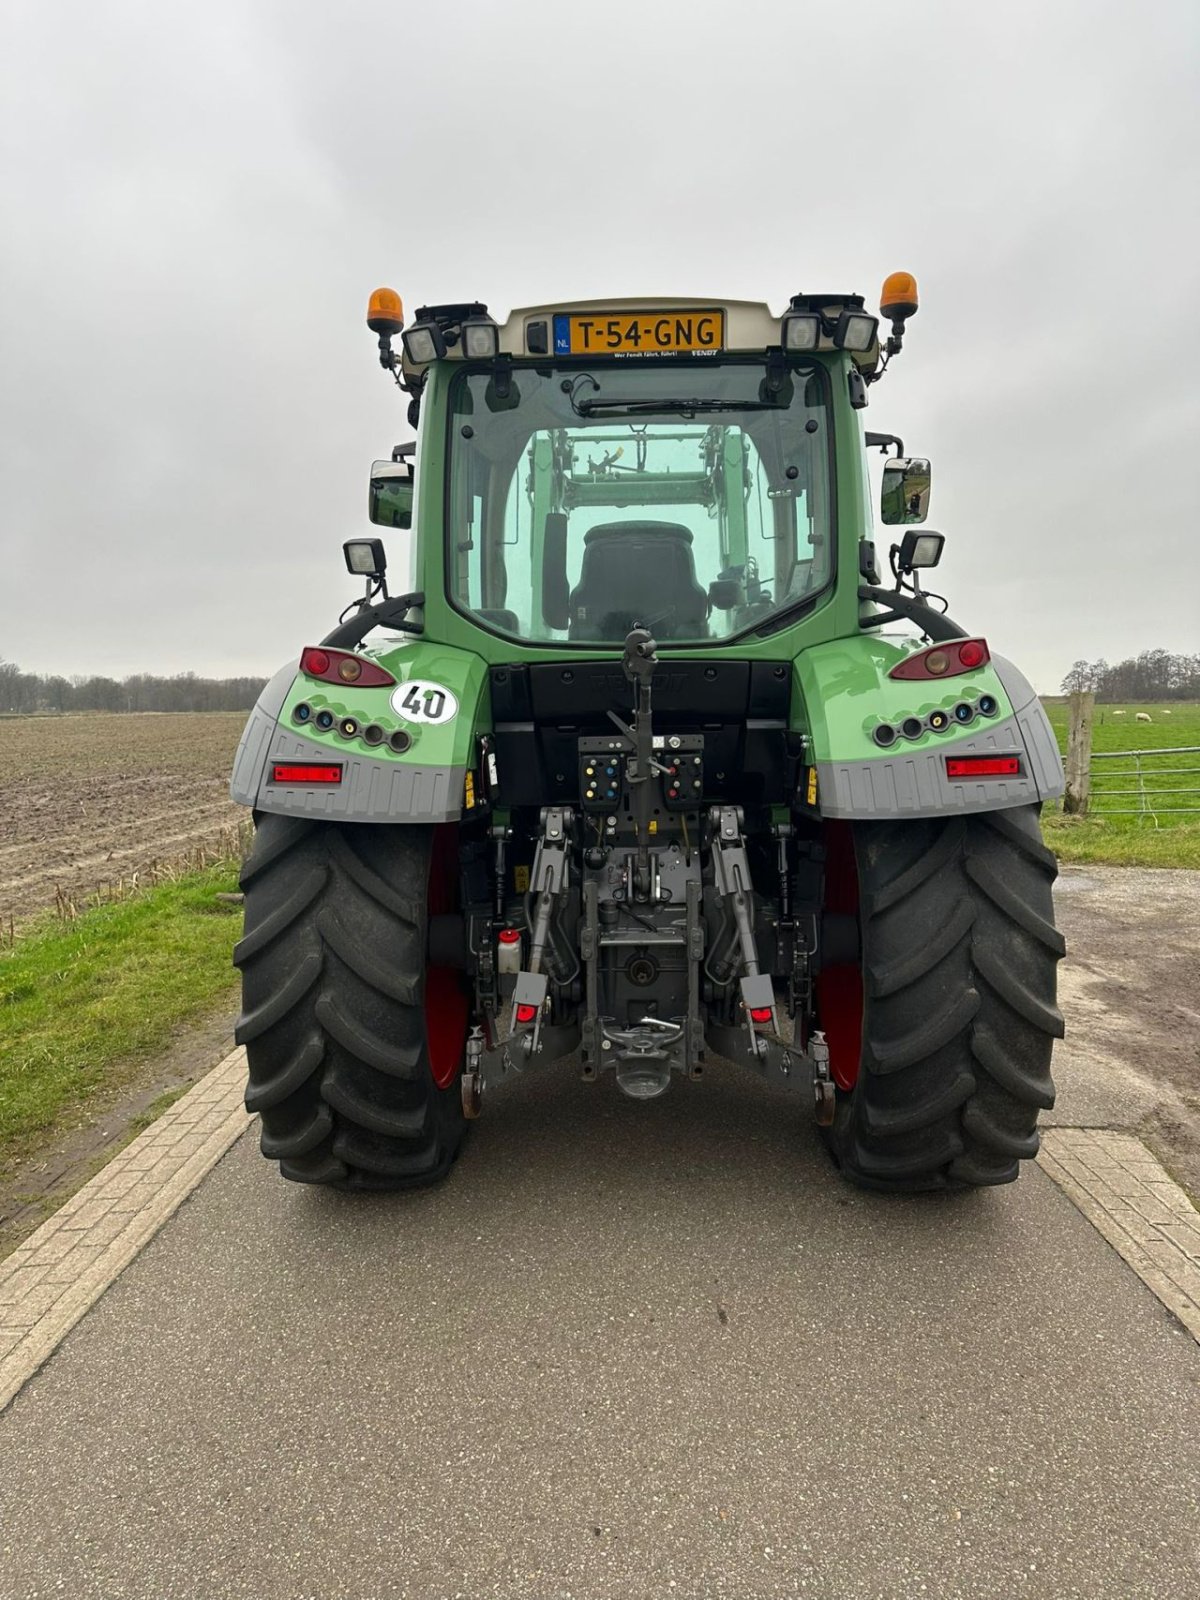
387 614
936 624
880 441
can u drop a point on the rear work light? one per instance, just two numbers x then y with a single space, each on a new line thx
339 666
944 660
305 772
983 766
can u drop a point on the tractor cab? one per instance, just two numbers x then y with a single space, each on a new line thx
586 469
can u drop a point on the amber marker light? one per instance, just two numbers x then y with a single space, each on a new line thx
898 298
385 312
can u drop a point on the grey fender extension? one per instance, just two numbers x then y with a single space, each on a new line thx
913 783
371 790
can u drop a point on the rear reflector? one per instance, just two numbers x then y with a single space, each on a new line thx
526 1013
760 1013
983 766
306 773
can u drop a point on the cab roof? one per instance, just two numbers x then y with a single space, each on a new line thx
573 330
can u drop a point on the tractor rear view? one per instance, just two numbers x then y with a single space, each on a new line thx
649 766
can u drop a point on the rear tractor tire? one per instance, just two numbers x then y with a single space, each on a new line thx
355 1045
941 1085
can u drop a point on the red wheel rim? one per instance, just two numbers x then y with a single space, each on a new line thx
447 1006
840 988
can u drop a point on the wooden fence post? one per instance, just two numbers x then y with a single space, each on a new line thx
1079 753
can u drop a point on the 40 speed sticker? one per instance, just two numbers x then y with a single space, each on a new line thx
418 700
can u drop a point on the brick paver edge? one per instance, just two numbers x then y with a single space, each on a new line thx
1079 1161
166 1162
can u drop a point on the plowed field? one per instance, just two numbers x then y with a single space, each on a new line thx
92 800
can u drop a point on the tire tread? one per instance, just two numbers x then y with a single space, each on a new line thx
960 1014
333 977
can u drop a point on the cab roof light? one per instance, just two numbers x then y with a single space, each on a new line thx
480 338
839 318
339 666
305 772
961 767
438 329
802 332
424 342
948 660
855 330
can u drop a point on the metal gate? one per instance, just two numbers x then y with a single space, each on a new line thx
1163 795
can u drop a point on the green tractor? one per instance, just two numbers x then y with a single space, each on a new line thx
649 766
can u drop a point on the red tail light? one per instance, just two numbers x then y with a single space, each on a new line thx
526 1013
305 772
760 1013
949 660
339 666
983 766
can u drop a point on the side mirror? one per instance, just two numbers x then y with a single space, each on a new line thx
390 503
905 493
919 550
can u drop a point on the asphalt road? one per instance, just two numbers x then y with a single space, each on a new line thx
626 1351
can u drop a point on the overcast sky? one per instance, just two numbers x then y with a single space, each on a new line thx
195 202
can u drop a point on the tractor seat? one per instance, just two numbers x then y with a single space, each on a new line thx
638 572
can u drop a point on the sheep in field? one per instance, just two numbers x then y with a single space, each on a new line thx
1144 716
1120 713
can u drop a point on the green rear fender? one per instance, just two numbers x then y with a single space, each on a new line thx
439 701
842 696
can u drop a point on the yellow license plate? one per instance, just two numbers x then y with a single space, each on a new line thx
642 333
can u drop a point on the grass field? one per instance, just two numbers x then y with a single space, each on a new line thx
1163 838
83 1003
